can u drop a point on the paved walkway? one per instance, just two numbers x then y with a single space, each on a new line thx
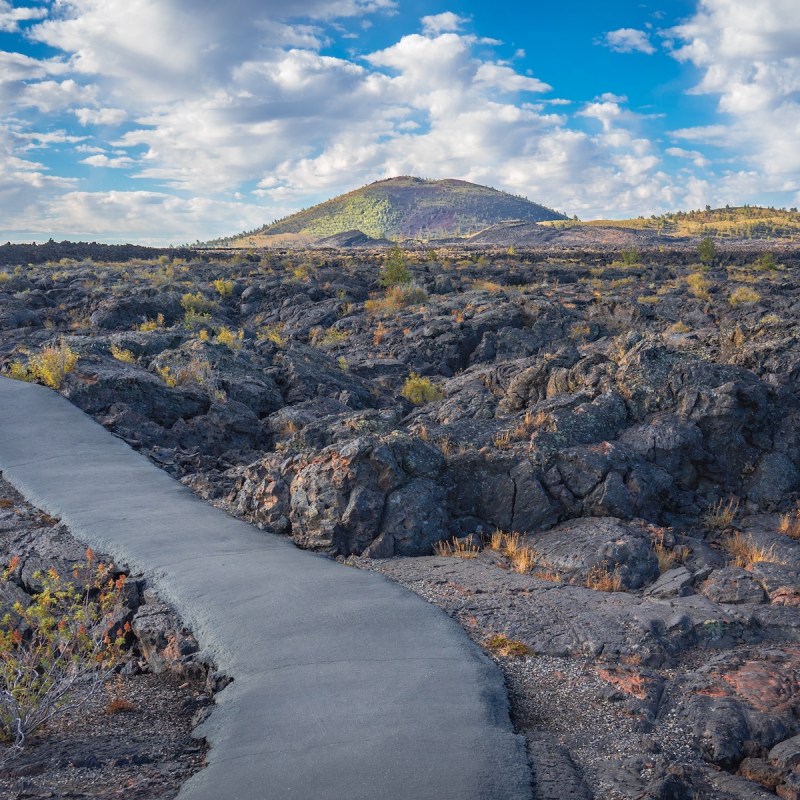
346 686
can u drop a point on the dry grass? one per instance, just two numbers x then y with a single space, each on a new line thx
503 440
523 558
744 551
698 286
603 579
789 525
456 549
379 334
721 515
500 643
744 294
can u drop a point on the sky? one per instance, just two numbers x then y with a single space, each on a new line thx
171 121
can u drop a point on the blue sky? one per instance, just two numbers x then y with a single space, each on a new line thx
167 121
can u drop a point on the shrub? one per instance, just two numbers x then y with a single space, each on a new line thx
330 337
273 333
49 367
630 257
420 390
744 294
397 297
151 325
224 288
58 650
789 525
195 319
707 250
233 341
197 304
765 262
698 286
395 268
121 354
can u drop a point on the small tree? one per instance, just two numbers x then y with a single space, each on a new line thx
707 250
58 650
395 268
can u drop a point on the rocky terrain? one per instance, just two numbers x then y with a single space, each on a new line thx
631 417
134 735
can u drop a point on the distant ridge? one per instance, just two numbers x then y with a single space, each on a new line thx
405 208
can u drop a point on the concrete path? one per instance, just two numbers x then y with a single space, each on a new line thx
346 686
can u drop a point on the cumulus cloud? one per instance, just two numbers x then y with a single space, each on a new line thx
10 18
102 160
749 62
101 116
182 100
629 40
443 23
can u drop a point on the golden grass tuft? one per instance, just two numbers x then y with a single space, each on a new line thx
744 551
500 643
456 549
721 515
603 579
789 525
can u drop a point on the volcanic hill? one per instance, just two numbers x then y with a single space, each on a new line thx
404 208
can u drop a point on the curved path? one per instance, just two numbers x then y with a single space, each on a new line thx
346 686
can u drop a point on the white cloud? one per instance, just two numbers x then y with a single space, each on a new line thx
749 59
696 157
253 119
629 40
447 22
102 160
101 116
11 17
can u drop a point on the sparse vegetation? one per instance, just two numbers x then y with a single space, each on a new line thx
197 304
273 333
744 551
49 367
395 268
500 643
743 294
601 578
698 286
456 548
419 390
152 324
722 514
59 649
232 340
121 354
224 287
789 525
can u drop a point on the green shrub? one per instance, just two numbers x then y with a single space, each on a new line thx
395 268
420 390
707 250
